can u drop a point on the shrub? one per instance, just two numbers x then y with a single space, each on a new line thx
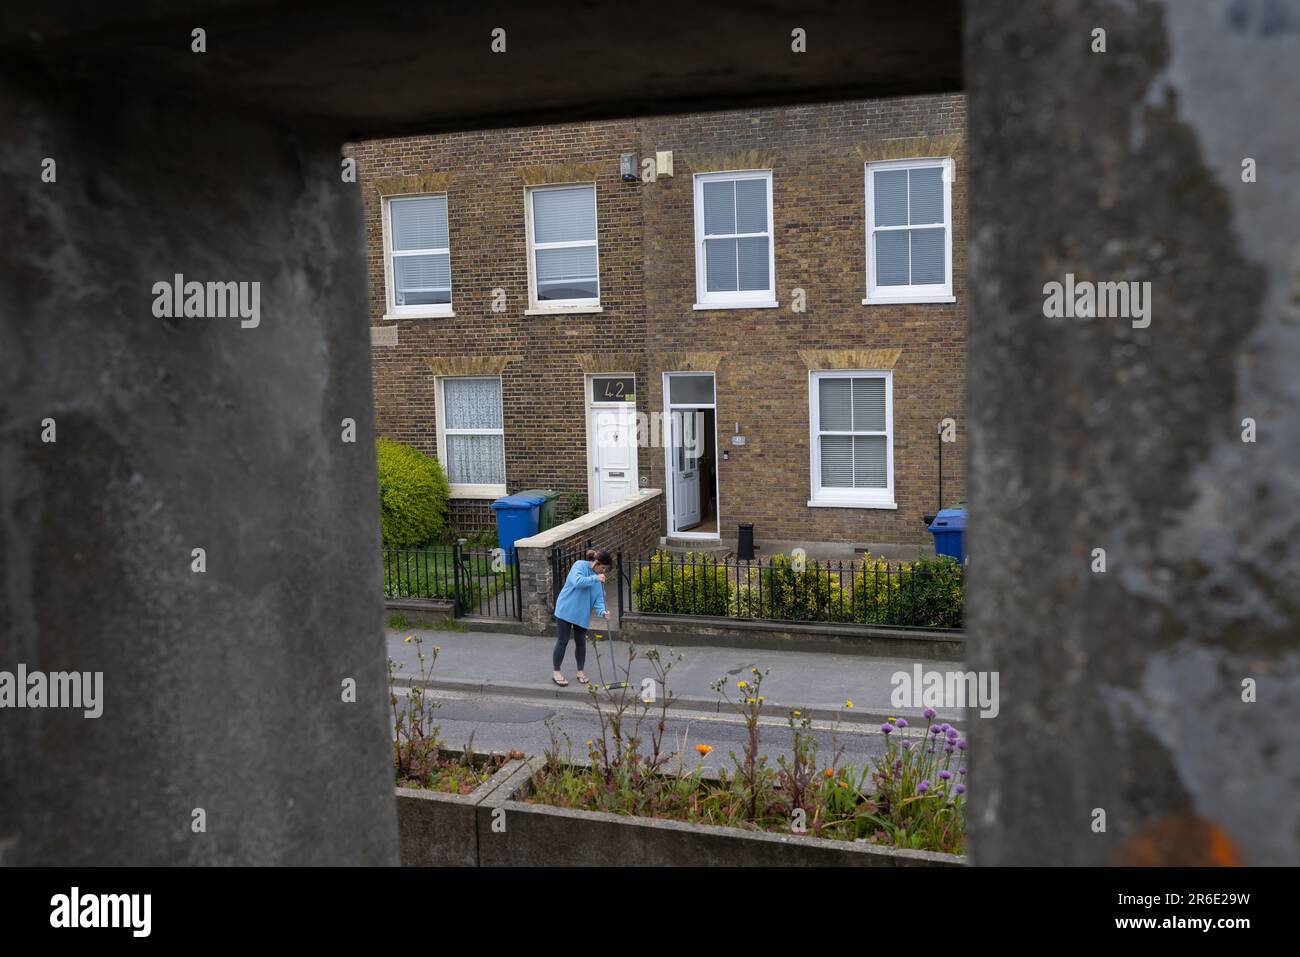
684 585
926 593
413 495
812 593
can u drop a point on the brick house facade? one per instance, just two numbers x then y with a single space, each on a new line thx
771 364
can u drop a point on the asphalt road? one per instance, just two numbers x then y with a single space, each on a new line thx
504 723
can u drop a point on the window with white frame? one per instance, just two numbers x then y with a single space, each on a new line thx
909 231
418 269
852 439
734 265
471 440
563 259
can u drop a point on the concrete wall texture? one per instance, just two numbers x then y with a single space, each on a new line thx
1123 691
223 690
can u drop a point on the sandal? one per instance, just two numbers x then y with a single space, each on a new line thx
582 678
561 681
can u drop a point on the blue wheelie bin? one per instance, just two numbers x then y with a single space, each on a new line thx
517 517
949 531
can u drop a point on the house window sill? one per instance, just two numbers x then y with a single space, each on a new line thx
394 317
478 491
567 311
908 300
822 503
758 304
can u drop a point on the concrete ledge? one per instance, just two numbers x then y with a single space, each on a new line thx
541 836
583 523
687 630
436 829
429 609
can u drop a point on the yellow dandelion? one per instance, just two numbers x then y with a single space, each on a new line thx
848 704
742 684
796 714
408 637
893 720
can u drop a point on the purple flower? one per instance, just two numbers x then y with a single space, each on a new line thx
887 728
923 787
939 793
934 729
902 723
948 750
961 744
945 727
945 775
929 713
907 745
952 734
961 789
962 771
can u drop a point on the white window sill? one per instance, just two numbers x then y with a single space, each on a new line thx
822 503
394 317
756 304
477 491
566 311
905 300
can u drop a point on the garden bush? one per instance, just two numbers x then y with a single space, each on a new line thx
413 495
926 593
790 593
682 585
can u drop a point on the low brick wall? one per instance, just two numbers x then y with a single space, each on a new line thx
634 525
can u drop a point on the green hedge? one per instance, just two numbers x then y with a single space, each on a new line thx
413 495
682 585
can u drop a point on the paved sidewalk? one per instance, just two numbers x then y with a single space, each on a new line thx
819 684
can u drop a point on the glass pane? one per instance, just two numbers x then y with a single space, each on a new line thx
690 389
419 280
837 461
754 273
720 265
834 408
419 222
476 459
564 215
751 206
719 207
471 403
869 405
567 273
870 463
890 188
926 195
928 257
891 258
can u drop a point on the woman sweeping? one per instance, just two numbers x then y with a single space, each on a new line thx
583 593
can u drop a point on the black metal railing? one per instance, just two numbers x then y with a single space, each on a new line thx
482 582
926 593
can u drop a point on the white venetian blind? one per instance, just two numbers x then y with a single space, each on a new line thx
737 237
420 250
852 423
909 198
564 239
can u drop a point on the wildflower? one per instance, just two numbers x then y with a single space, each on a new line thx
886 727
408 637
929 714
960 789
945 775
961 744
590 743
761 698
742 684
849 704
703 749
892 720
907 745
945 727
795 713
749 701
962 771
830 772
923 787
844 784
948 749
753 671
902 722
938 793
437 648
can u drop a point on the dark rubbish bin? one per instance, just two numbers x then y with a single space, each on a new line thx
745 542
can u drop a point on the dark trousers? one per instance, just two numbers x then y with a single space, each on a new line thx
563 631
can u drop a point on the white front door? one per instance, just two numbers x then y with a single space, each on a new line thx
613 453
686 473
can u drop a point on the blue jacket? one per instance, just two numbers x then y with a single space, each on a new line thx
582 592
